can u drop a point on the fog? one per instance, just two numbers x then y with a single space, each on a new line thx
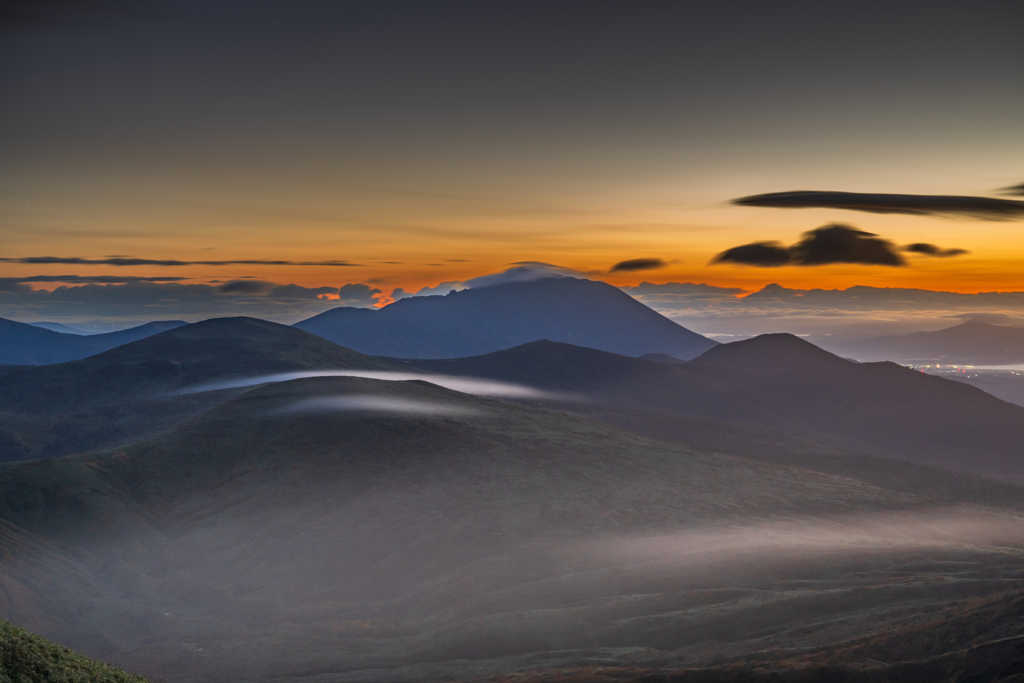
372 404
946 528
479 387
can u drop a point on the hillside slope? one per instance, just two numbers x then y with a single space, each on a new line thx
362 530
777 383
128 392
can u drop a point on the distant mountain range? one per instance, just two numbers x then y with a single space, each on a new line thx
256 542
781 383
24 344
485 319
353 528
970 343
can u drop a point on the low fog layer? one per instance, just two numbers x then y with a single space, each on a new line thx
779 540
368 403
478 387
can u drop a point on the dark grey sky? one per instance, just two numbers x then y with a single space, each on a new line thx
474 134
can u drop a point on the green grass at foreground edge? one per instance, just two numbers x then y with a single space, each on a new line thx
28 658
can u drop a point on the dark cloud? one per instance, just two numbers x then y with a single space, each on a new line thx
358 295
144 300
826 245
932 250
1014 190
912 204
91 279
638 264
251 287
763 254
126 261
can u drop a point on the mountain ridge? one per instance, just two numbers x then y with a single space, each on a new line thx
25 344
485 319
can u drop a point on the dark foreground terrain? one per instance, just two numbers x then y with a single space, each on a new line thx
28 658
328 529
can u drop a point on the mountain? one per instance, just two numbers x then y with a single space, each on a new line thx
57 327
970 343
343 528
24 344
302 531
485 319
128 391
775 383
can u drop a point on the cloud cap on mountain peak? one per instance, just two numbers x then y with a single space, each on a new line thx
523 271
985 208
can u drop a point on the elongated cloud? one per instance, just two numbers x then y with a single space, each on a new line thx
466 385
933 250
131 261
368 403
822 246
985 208
91 279
1014 190
638 264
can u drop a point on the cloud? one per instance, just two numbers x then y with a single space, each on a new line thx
90 279
122 261
369 403
932 250
912 204
253 287
826 245
764 254
437 290
466 385
523 271
638 264
358 295
680 293
857 533
1014 190
144 300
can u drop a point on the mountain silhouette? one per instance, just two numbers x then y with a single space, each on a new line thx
24 344
971 343
777 382
127 392
486 319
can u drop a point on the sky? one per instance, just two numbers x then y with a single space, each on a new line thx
405 144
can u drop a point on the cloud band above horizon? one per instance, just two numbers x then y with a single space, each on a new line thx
984 208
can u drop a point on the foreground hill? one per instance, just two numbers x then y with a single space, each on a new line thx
485 319
23 344
28 658
970 343
777 383
128 391
361 530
